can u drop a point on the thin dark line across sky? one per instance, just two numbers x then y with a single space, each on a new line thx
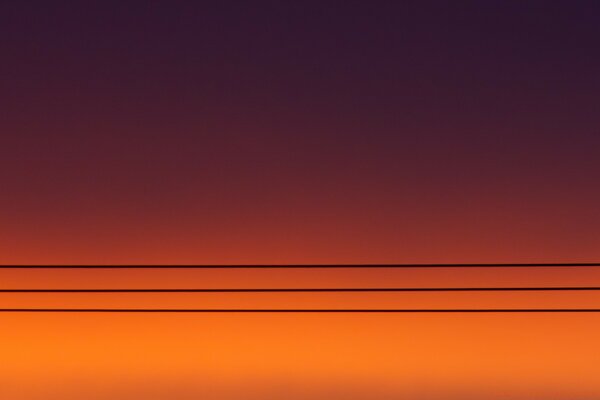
198 310
307 290
292 290
308 266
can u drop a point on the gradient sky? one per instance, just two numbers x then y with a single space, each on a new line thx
190 132
300 132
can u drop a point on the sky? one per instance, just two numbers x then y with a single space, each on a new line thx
182 132
191 132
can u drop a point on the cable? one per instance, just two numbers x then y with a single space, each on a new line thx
191 310
307 290
309 266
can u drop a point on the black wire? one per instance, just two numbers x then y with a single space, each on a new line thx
298 266
307 290
308 266
191 310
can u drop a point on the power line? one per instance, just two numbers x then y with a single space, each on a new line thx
198 310
307 290
299 290
308 266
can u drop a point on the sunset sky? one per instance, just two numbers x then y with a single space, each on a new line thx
284 132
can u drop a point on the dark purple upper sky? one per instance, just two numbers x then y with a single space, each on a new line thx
381 117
